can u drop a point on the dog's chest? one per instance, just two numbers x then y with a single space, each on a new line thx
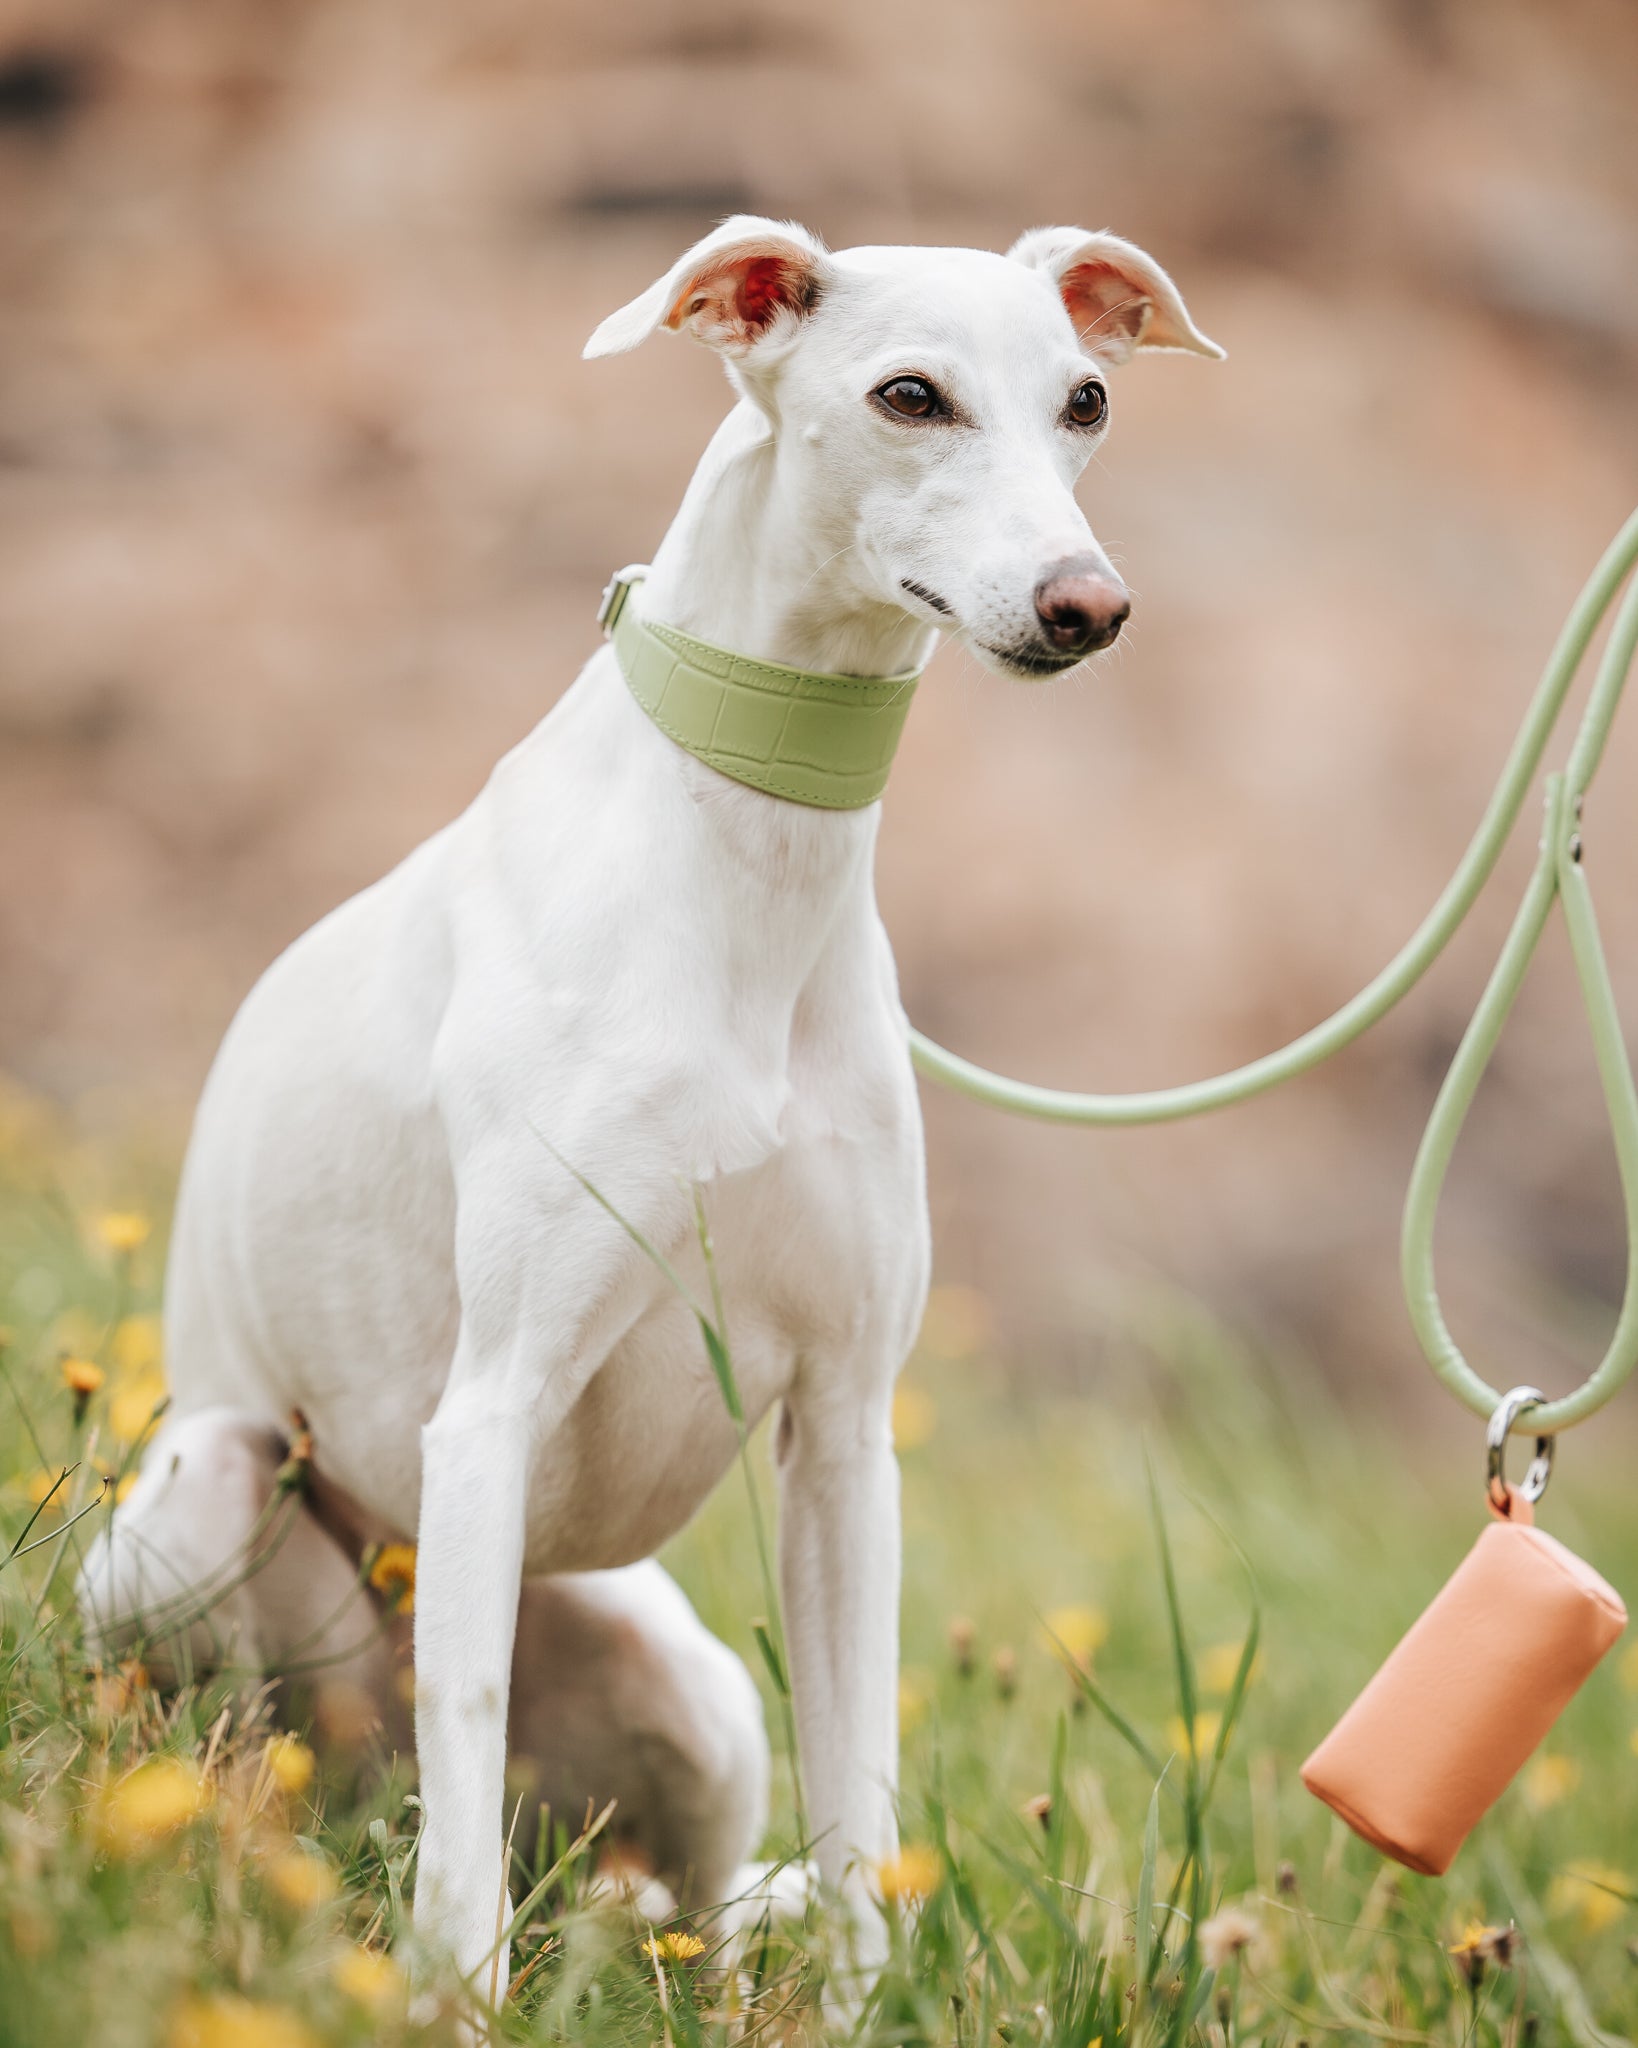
820 1258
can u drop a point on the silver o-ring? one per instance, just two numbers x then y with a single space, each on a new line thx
1534 1483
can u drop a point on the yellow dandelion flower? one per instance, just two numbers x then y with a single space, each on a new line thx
290 1764
1220 1662
369 1978
1471 1939
123 1231
83 1377
958 1324
676 1945
132 1404
393 1575
151 1803
1547 1780
1628 1667
226 2021
302 1879
915 1417
1077 1633
137 1345
912 1874
1199 1740
1479 1945
1593 1892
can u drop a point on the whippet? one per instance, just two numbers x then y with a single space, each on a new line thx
635 967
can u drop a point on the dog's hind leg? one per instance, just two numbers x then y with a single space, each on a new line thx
208 1569
619 1692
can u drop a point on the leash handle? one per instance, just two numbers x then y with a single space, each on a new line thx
1559 876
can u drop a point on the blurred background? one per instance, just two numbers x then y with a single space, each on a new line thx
306 499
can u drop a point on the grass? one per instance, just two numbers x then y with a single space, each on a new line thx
1081 1579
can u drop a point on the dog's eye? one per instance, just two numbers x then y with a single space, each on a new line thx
1089 407
912 398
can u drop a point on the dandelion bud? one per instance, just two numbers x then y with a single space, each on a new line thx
963 1637
296 1470
82 1378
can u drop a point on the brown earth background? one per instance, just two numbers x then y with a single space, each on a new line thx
306 498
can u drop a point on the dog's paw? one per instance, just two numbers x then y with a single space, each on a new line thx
768 1894
625 1879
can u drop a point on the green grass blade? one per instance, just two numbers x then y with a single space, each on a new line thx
1145 1929
61 1480
1096 1697
722 1367
1183 1662
771 1657
649 1251
1235 1702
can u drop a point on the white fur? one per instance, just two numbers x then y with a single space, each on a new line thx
618 961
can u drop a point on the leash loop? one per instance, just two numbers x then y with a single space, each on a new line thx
1559 876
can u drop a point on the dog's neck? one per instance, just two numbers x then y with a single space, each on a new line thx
745 568
739 569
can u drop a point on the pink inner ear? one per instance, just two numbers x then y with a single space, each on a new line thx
766 287
735 301
1103 300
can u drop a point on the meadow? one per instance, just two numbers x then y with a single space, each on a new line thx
1127 1617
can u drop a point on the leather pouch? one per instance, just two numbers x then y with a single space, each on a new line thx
1439 1733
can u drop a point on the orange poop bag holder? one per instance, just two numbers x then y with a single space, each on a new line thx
1442 1729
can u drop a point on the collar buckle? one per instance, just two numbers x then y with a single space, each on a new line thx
618 589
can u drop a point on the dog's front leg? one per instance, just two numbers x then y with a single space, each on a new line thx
839 1571
547 1279
468 1579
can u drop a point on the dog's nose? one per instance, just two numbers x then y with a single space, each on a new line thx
1081 608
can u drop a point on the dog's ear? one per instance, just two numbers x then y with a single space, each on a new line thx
1119 299
748 280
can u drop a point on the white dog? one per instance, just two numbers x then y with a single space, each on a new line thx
624 969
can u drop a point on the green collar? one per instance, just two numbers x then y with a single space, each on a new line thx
814 739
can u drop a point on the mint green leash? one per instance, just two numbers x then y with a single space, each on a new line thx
1559 876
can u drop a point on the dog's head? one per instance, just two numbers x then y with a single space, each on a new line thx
931 410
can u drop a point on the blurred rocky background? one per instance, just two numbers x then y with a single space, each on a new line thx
306 499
